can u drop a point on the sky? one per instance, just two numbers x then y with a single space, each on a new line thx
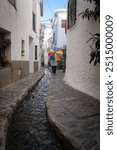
50 6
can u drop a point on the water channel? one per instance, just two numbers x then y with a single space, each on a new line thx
28 128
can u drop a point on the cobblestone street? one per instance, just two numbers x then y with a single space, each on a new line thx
28 127
73 115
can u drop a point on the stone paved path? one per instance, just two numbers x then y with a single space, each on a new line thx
10 97
29 128
74 115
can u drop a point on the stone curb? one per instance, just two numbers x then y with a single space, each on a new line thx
64 131
65 140
64 137
73 115
10 97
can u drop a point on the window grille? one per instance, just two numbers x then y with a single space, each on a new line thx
71 13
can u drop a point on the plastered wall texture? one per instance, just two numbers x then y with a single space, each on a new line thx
79 73
17 25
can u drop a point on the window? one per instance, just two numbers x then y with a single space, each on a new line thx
34 15
34 24
35 52
22 47
71 13
54 39
63 23
13 2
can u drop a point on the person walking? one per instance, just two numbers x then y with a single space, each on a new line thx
53 64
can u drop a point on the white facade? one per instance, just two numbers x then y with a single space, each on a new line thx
47 41
20 23
59 37
79 73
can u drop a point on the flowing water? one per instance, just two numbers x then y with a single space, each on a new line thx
28 128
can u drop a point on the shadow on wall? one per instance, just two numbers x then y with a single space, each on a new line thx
14 72
5 76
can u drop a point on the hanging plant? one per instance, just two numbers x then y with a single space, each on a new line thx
95 48
91 13
95 38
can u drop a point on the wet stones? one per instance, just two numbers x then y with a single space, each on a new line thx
28 127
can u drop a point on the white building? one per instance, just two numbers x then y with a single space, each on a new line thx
58 27
47 40
79 73
19 22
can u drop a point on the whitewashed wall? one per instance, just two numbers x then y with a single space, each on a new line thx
19 22
79 73
60 37
46 42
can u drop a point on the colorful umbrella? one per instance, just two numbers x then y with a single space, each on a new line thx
55 54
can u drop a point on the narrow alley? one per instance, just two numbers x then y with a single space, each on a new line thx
72 114
28 127
49 87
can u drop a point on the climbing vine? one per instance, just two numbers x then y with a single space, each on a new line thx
95 38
